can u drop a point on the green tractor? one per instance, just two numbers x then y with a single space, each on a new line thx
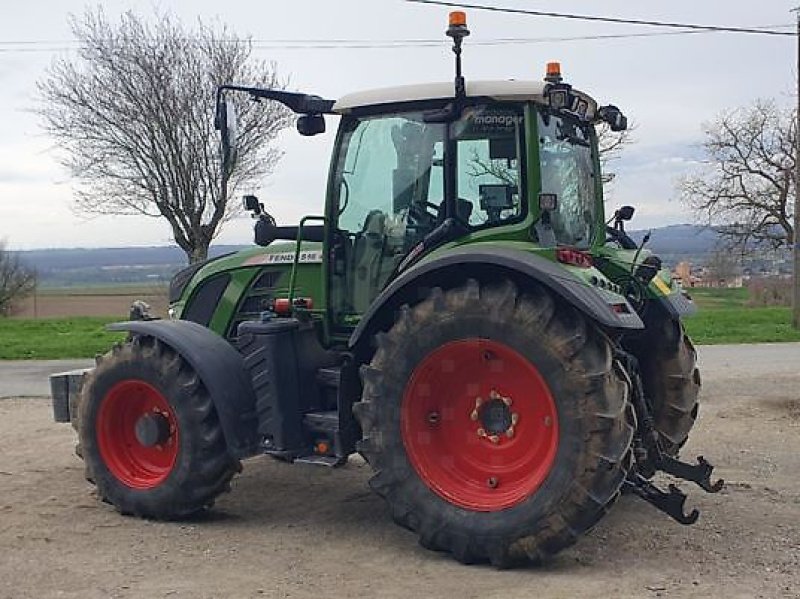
462 315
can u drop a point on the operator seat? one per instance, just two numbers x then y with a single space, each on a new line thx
368 250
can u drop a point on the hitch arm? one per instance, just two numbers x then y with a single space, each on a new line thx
671 502
699 473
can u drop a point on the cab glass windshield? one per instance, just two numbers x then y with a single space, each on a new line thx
567 170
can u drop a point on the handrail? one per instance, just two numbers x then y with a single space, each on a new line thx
298 247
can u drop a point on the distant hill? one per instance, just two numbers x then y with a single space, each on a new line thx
110 266
115 266
680 240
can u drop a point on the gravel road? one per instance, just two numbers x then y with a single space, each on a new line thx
303 531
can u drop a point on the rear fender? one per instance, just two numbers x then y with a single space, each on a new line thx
220 368
487 264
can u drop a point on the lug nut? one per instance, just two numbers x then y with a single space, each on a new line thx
548 421
507 401
481 432
494 439
434 418
492 482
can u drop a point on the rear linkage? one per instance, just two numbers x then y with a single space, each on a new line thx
650 458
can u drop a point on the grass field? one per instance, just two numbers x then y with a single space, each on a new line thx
51 338
725 317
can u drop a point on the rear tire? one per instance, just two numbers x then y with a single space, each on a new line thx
563 496
185 467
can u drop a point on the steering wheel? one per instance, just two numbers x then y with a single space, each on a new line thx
418 213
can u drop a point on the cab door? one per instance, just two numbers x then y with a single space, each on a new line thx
387 190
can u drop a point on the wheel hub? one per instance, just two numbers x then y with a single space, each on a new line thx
479 424
152 429
494 417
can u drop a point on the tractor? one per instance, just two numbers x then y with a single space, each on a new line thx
462 315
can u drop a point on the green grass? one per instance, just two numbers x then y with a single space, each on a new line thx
55 338
715 299
725 317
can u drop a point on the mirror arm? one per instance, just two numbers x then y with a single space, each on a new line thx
296 102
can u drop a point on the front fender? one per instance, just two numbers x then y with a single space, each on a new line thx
220 368
486 263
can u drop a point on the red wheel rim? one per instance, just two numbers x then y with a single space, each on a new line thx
131 462
458 408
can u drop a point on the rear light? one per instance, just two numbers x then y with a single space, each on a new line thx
574 257
281 306
620 308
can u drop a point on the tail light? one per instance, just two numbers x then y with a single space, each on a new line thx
574 257
281 305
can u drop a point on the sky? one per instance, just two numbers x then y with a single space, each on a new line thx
668 85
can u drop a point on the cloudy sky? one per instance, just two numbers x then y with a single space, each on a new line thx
669 85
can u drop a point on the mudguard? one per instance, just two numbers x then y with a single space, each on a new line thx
487 262
221 369
678 305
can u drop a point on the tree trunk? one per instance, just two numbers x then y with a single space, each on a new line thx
198 253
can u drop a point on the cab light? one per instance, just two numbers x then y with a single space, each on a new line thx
553 72
457 18
574 257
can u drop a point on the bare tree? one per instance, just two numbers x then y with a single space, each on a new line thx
610 145
17 281
723 266
746 184
134 112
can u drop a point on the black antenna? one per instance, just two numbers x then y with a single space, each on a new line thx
458 31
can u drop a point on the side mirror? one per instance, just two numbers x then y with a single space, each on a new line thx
251 204
624 213
311 124
227 125
614 117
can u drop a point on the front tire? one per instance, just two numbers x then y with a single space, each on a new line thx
514 498
671 380
150 435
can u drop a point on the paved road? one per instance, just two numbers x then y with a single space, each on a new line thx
29 378
734 361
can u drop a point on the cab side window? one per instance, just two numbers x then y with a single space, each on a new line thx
488 183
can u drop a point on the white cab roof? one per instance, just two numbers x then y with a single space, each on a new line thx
499 90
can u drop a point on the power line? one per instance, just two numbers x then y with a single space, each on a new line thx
577 17
34 45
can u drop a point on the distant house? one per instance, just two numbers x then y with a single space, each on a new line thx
703 277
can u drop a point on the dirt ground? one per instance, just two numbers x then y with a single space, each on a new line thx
303 531
112 302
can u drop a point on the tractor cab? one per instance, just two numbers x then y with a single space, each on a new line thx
420 167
